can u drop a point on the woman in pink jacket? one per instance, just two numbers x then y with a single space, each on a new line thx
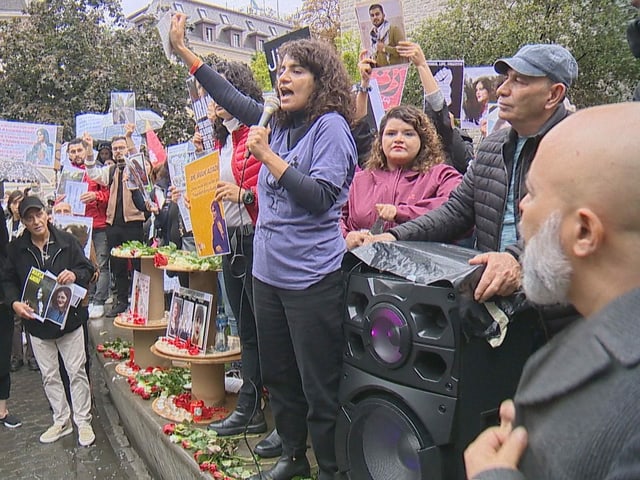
404 177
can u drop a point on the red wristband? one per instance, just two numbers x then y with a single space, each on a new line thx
195 66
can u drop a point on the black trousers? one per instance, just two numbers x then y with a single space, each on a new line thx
238 283
6 334
117 235
301 346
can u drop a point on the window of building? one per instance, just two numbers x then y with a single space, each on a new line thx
273 30
178 7
260 45
224 18
208 34
251 26
235 40
202 12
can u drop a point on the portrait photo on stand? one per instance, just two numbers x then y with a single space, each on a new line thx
186 320
175 314
200 328
381 26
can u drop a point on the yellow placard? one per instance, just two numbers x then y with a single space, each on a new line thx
207 215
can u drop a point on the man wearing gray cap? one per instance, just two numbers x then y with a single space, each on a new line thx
531 100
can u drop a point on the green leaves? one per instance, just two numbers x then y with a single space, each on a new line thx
481 31
67 56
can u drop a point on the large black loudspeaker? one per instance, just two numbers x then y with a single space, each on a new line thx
415 390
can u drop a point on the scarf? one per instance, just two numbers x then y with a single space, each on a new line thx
378 34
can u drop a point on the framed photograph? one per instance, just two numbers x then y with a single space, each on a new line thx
186 320
175 315
190 317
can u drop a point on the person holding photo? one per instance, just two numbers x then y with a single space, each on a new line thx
308 161
384 38
46 248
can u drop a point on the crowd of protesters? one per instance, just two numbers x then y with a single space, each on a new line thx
301 190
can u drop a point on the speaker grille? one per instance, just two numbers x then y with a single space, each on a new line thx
385 441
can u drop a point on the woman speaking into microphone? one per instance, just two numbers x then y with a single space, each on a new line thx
307 166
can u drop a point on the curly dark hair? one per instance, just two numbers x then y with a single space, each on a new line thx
431 152
240 76
332 89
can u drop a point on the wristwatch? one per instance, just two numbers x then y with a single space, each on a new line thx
248 197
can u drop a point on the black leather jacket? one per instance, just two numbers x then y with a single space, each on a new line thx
65 252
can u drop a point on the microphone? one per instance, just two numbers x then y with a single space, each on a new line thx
271 106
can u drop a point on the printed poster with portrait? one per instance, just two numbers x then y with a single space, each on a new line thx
32 143
59 304
123 107
190 317
178 156
79 227
49 300
140 286
480 85
207 215
200 101
37 291
381 27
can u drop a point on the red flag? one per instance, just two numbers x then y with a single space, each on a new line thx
157 153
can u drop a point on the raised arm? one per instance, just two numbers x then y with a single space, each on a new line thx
242 107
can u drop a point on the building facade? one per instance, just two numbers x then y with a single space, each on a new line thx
230 34
13 8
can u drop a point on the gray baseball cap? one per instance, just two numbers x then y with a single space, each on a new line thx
542 60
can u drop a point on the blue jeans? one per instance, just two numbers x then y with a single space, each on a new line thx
100 291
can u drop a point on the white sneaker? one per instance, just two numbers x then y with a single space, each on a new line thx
55 432
86 436
96 311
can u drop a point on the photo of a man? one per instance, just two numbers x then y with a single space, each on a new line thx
381 28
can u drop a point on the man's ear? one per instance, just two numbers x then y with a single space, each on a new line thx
588 233
556 95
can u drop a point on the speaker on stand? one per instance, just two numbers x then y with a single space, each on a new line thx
416 390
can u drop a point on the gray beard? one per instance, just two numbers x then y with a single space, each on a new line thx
546 269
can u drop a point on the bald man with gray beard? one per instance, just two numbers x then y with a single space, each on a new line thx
576 413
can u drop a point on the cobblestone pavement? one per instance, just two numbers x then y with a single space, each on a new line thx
24 457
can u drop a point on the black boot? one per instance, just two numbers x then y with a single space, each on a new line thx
235 423
270 446
285 469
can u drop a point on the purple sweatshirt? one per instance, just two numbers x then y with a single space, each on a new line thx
413 193
295 247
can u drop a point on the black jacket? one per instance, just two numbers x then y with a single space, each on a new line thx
480 200
65 252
